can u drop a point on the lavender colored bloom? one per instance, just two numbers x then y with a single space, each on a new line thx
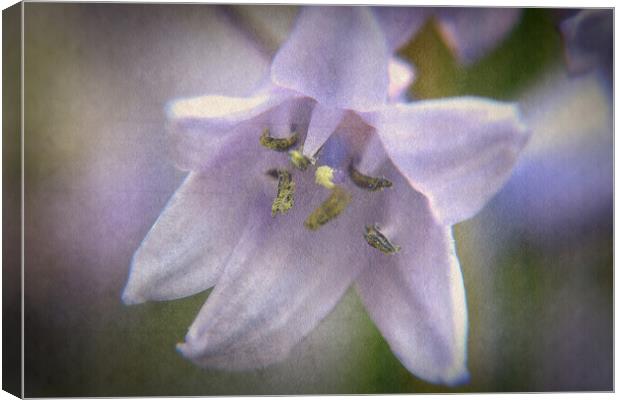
469 32
274 278
589 40
564 181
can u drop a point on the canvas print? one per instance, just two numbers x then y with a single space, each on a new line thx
301 199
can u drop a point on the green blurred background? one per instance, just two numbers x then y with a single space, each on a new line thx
98 173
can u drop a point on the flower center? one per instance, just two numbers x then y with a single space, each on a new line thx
338 199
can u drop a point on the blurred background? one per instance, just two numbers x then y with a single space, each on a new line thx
537 261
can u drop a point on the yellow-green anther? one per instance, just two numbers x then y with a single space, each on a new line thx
335 204
324 176
299 160
278 144
368 182
379 241
286 190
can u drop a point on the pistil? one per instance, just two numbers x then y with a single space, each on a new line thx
324 176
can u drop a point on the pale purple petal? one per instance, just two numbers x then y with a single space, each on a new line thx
401 76
458 152
564 179
281 280
209 127
373 156
589 40
346 143
473 32
399 24
271 23
554 196
336 55
323 123
185 251
416 296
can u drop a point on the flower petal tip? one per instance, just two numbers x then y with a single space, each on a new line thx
182 348
460 378
208 356
190 352
131 297
198 347
451 378
134 292
521 126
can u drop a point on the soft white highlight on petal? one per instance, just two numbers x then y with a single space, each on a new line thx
280 281
416 297
227 109
186 249
401 76
458 152
198 141
399 24
219 107
473 32
323 123
337 55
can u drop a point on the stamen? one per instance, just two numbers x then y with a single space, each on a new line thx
278 144
376 239
299 160
286 189
324 176
368 182
330 209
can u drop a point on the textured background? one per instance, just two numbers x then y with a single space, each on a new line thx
98 173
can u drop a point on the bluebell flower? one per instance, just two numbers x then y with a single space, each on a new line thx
469 32
276 273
